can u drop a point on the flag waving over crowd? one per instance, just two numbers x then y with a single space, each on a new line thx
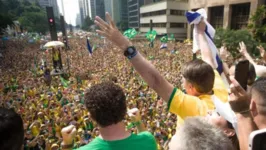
164 41
195 18
151 35
89 46
130 33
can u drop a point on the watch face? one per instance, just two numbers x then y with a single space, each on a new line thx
130 50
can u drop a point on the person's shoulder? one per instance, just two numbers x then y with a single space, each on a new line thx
145 135
146 140
93 145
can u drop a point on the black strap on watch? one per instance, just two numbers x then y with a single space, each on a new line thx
70 146
130 52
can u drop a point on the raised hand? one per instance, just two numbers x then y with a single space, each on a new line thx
201 26
242 48
134 114
262 51
68 134
224 53
110 31
239 99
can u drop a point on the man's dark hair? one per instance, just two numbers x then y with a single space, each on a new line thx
11 130
106 103
251 74
200 74
258 92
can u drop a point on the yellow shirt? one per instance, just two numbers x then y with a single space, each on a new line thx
35 130
56 56
185 105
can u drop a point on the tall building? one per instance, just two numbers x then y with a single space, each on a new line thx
81 11
133 13
232 14
97 8
120 13
86 4
146 2
92 9
50 3
108 6
78 20
168 17
84 10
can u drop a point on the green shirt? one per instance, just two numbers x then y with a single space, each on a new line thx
141 141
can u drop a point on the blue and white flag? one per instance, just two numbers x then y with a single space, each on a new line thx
195 18
163 46
89 46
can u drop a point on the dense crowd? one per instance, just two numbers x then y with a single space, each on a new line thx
47 107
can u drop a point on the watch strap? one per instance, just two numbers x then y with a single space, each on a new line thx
69 146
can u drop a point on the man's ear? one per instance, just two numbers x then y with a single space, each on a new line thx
229 132
253 108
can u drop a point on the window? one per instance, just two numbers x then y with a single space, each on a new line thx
217 16
157 25
177 12
134 19
240 16
133 25
133 7
178 25
132 2
154 13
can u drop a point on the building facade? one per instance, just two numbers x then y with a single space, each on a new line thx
134 13
168 17
81 11
50 3
108 6
120 13
78 20
92 9
97 9
232 14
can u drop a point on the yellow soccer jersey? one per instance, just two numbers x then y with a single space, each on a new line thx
185 105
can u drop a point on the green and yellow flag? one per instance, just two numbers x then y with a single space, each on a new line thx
151 35
130 33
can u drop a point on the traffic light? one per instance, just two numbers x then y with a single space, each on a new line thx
51 23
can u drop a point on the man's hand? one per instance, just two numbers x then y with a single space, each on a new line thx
134 114
242 48
224 53
111 32
201 27
238 98
262 51
68 134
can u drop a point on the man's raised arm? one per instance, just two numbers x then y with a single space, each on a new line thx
147 71
204 47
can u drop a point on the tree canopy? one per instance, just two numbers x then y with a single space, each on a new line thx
31 16
87 24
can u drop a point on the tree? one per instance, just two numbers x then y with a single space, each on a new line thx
231 39
5 21
257 24
34 22
87 24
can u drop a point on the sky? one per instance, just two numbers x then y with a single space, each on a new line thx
71 10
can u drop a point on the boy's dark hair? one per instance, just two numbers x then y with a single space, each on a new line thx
200 74
11 130
106 103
